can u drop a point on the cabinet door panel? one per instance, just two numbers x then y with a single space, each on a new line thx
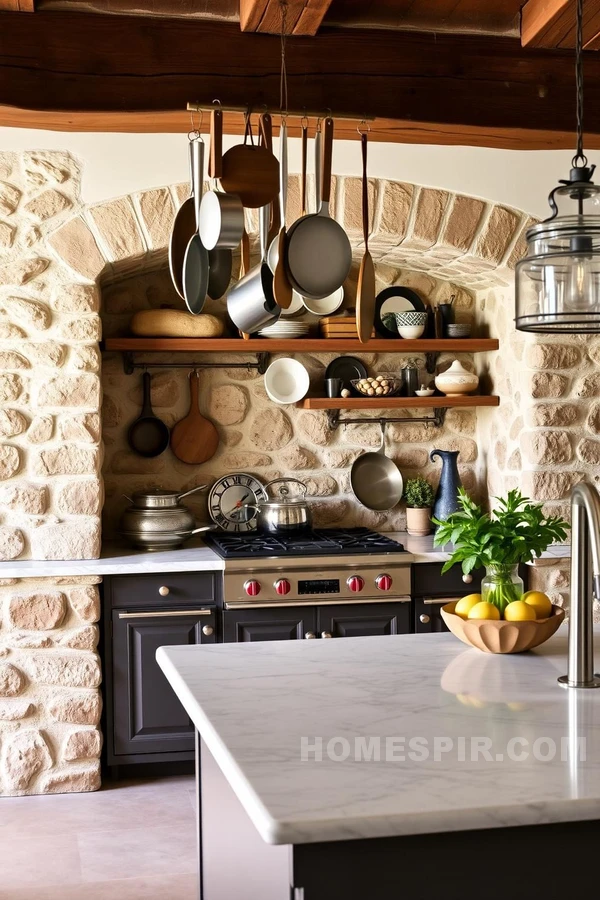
280 624
428 618
148 717
358 620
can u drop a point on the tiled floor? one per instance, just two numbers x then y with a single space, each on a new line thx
132 840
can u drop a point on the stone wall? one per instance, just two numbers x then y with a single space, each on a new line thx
57 256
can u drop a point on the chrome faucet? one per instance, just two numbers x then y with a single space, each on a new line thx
585 584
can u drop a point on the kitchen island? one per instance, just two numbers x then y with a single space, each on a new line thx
384 767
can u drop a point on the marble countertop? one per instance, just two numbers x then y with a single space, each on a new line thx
254 704
118 559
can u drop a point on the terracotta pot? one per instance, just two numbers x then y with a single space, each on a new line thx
418 521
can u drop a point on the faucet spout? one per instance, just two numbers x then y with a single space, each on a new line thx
585 583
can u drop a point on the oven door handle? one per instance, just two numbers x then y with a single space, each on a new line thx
435 601
313 601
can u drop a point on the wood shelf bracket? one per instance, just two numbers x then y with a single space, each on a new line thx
130 364
437 420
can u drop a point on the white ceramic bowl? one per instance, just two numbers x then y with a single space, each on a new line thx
286 381
411 332
425 392
326 305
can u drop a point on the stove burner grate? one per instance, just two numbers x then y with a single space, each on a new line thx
320 542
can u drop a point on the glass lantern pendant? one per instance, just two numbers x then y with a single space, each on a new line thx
558 282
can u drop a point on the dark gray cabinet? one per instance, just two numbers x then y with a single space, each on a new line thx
361 619
282 623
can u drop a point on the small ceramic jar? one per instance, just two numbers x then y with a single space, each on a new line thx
456 381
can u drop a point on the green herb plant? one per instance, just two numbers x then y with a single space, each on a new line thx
517 531
418 493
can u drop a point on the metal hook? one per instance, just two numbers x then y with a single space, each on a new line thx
363 124
195 130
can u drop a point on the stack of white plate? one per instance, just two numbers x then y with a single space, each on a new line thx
285 330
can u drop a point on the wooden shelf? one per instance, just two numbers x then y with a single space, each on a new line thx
299 345
395 402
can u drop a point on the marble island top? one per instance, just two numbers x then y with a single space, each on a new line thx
257 705
195 556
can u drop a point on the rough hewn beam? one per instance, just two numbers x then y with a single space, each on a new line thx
18 5
551 23
302 16
459 86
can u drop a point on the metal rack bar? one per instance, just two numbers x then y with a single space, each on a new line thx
130 364
313 114
437 419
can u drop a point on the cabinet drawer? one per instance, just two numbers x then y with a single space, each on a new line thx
162 590
428 580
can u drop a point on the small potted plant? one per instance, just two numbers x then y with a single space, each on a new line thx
515 532
418 496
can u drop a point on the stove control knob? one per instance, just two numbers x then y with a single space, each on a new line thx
356 583
283 586
384 582
252 588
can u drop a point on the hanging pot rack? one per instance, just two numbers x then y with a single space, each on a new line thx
277 114
436 420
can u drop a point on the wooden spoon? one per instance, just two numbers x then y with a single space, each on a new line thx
365 292
194 439
282 288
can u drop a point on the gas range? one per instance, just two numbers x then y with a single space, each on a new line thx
323 566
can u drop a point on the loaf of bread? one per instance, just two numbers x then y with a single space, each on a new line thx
175 323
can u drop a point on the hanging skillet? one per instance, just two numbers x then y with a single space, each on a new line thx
319 254
183 229
195 262
251 171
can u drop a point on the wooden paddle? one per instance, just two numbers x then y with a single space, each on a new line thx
251 171
194 439
365 293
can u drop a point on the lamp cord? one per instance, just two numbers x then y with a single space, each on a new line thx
283 88
580 159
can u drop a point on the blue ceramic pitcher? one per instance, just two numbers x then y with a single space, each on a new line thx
446 498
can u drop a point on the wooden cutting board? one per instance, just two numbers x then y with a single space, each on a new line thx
194 439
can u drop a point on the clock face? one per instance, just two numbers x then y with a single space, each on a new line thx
230 498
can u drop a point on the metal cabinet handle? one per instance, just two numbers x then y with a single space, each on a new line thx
310 635
164 591
438 601
315 601
208 630
424 619
325 634
167 612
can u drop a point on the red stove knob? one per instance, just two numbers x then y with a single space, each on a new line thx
355 583
384 582
283 586
252 588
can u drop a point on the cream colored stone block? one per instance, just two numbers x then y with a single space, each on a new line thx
47 205
352 192
72 669
86 328
85 358
51 165
10 359
9 198
545 385
10 332
76 707
84 427
462 223
430 210
158 214
25 754
10 461
12 542
29 313
37 612
228 404
165 391
81 638
11 423
86 603
46 353
297 458
82 745
77 781
552 356
119 229
320 485
546 448
514 461
70 459
271 430
314 427
549 485
41 429
23 497
66 541
520 248
76 246
593 419
22 271
12 680
589 452
548 415
246 459
395 211
497 234
81 299
13 710
70 390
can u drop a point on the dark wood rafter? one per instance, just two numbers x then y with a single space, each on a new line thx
302 16
551 23
17 5
74 67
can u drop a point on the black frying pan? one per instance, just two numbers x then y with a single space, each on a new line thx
148 436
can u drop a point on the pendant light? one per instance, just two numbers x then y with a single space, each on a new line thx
558 282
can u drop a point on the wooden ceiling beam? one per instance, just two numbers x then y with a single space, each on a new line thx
551 24
303 17
80 68
17 5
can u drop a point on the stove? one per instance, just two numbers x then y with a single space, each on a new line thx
323 566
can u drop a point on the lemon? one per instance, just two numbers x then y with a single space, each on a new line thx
484 610
519 611
541 603
466 604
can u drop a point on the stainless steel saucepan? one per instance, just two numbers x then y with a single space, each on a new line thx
251 303
284 514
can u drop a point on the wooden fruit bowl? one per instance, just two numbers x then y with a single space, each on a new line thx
499 636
